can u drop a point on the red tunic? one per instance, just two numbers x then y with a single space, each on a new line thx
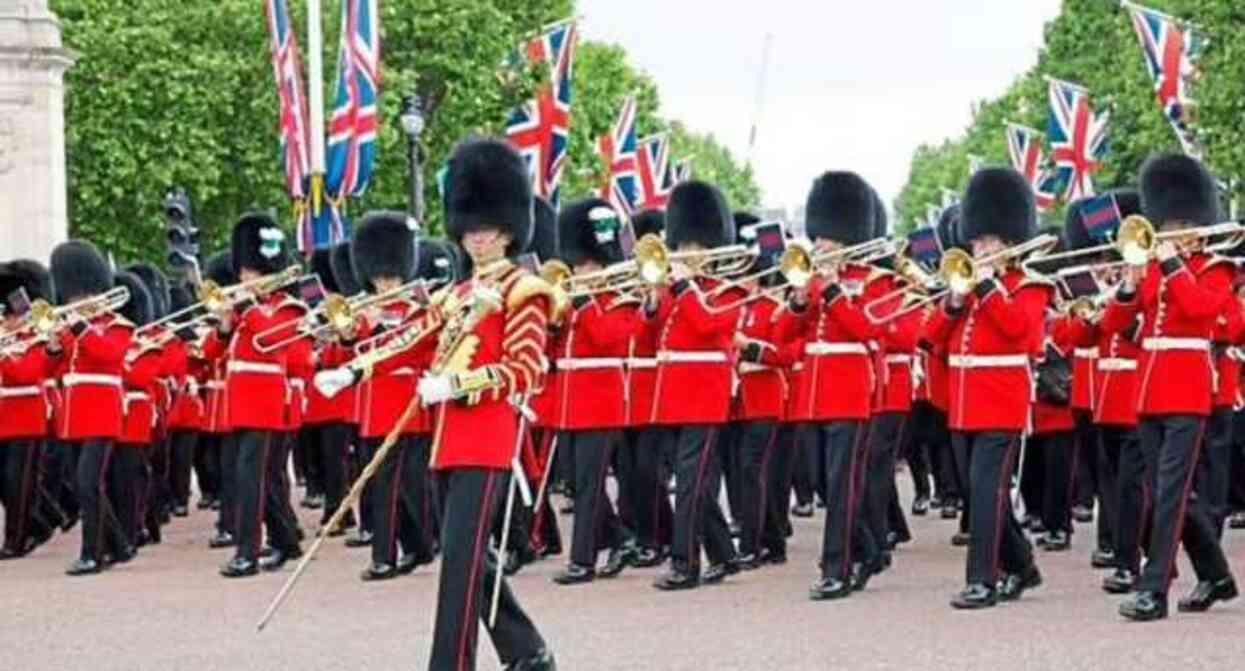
989 342
1083 337
141 378
695 372
1229 331
763 388
1116 376
23 401
642 374
1048 417
1180 306
590 393
385 395
894 360
91 379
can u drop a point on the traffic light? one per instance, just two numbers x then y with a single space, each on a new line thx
181 231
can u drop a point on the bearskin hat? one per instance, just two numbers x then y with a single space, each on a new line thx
880 220
840 208
589 230
384 246
181 296
322 267
157 284
487 186
949 228
140 308
79 271
219 269
1175 187
998 201
438 261
259 244
25 274
698 213
544 242
342 262
649 221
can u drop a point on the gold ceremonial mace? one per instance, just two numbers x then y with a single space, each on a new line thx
482 304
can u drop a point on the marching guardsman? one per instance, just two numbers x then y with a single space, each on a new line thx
321 441
837 384
91 344
130 473
990 331
1052 441
187 415
29 520
589 403
224 461
255 393
1180 294
694 352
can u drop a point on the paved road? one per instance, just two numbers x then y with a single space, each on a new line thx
169 610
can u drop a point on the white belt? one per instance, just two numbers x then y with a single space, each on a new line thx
298 383
905 359
589 363
691 357
77 379
638 364
988 361
131 396
1116 364
799 366
17 392
1165 344
215 385
748 367
253 367
828 348
403 372
1085 352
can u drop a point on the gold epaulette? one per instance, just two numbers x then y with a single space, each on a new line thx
527 286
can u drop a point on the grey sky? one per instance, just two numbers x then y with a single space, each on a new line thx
852 85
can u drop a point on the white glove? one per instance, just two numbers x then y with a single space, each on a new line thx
331 382
434 389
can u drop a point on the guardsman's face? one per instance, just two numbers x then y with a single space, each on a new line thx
987 244
247 274
587 266
826 245
689 246
386 284
486 245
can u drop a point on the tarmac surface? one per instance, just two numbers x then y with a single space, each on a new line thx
169 610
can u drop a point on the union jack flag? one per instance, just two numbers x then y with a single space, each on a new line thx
1024 146
352 131
1078 139
1171 51
287 69
618 149
656 177
540 129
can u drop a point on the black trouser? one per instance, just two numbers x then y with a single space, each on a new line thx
781 473
468 570
961 456
182 457
1033 479
279 479
545 535
403 503
332 441
915 451
755 445
1059 455
1170 445
1214 467
881 443
100 530
309 459
362 456
1236 488
595 519
127 488
60 478
160 490
227 517
564 464
997 540
23 515
841 443
697 515
810 478
728 455
1108 456
1135 500
1088 485
646 478
257 499
207 464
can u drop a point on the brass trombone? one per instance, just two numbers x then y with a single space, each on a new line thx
43 319
214 298
1135 242
960 271
337 313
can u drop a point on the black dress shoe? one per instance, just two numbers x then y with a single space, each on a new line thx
716 573
776 558
950 511
1119 582
647 558
829 589
1145 607
568 508
1056 541
1036 526
961 539
542 661
574 574
614 565
749 562
1237 520
1102 558
410 561
1206 593
278 559
9 553
860 576
69 522
1082 514
204 503
215 504
920 506
362 539
378 572
266 552
678 579
974 597
1014 584
122 555
84 567
180 511
222 539
736 530
239 568
802 510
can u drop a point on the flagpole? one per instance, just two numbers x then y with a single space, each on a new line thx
760 99
315 101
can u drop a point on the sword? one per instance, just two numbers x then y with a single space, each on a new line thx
525 413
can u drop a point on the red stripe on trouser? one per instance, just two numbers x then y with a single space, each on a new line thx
1178 523
696 493
1000 499
468 625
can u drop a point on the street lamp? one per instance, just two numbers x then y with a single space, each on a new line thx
412 120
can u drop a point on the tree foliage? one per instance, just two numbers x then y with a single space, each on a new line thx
1092 42
182 94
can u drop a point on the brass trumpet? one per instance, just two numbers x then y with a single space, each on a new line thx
214 298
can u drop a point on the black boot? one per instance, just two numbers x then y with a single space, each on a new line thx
1206 593
575 575
829 589
1119 582
974 597
1014 584
1145 607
